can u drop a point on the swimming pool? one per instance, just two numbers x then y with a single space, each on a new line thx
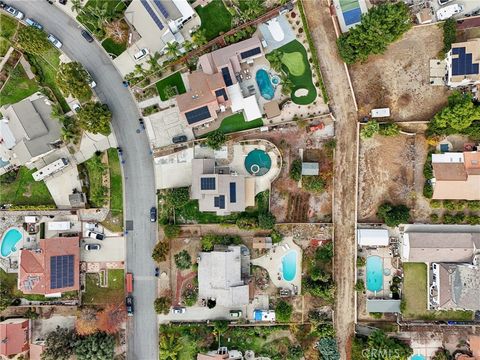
265 84
289 265
374 273
418 357
10 239
258 162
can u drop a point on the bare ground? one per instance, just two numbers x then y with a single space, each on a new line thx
342 104
399 78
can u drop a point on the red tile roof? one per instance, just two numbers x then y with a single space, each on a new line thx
36 351
13 336
34 272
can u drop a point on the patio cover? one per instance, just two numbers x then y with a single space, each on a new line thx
251 109
383 306
372 237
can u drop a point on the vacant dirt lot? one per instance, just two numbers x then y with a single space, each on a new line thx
399 79
391 169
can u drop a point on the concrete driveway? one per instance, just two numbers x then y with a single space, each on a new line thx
61 185
112 250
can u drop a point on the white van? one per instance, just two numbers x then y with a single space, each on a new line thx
448 11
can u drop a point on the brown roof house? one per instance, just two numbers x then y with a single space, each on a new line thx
14 336
51 269
457 176
220 190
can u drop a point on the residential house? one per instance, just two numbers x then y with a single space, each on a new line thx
214 88
463 63
158 22
220 277
27 130
457 176
220 190
14 336
52 268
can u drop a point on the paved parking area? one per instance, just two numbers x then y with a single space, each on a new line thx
164 125
174 170
62 184
112 249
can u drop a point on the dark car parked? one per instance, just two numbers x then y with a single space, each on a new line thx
153 214
129 305
179 139
87 36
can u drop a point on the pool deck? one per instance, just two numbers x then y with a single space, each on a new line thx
272 262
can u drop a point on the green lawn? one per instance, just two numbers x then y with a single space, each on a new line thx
24 190
8 26
114 293
302 80
174 80
215 19
115 220
112 47
236 122
18 87
95 173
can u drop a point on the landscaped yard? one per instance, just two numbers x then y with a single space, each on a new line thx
215 19
112 47
116 6
114 221
415 296
18 87
175 81
8 27
114 293
296 63
24 190
95 170
236 122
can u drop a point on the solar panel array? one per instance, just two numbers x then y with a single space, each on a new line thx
233 192
61 271
251 52
197 115
221 92
226 76
463 64
161 8
152 14
207 183
219 201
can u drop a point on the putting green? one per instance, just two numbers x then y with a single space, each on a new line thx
294 62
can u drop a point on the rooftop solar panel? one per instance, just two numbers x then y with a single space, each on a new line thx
226 76
61 271
221 92
197 115
219 201
251 52
162 9
456 51
207 183
152 14
233 192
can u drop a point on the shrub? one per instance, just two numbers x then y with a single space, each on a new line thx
247 222
216 139
325 330
434 218
427 189
171 231
276 236
427 167
369 129
448 218
474 205
436 204
360 285
266 221
190 296
210 240
361 261
283 311
393 215
160 251
449 205
162 305
472 220
449 34
296 170
324 253
376 315
389 129
183 260
313 184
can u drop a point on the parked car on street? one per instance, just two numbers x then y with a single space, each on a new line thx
129 305
443 2
14 12
96 235
157 272
153 214
87 36
57 43
92 247
33 23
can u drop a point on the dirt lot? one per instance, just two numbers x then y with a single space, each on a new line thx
391 169
288 202
399 79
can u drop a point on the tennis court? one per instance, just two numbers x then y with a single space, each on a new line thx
351 11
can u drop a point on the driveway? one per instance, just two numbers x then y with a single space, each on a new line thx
61 185
112 250
138 174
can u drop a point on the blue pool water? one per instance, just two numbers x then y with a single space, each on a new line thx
289 265
264 84
418 357
9 241
374 273
258 162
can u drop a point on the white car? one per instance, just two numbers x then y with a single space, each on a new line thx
448 11
141 54
54 41
17 13
75 107
178 310
443 2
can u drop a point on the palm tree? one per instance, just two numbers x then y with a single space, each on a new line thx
188 45
275 60
169 347
287 84
199 38
76 6
172 49
139 70
102 13
153 62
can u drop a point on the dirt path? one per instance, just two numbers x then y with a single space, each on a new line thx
342 105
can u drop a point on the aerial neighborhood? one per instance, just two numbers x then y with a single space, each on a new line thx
233 179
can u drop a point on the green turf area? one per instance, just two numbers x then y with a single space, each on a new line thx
23 190
112 47
114 293
294 62
348 5
303 81
8 26
115 220
18 87
215 19
174 80
236 122
95 172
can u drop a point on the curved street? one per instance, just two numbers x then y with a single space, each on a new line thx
139 183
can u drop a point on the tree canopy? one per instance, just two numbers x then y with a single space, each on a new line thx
183 260
160 251
32 40
162 305
95 118
74 80
458 115
296 170
98 346
394 215
283 311
216 139
59 344
382 25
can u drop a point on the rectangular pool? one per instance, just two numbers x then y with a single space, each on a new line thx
374 273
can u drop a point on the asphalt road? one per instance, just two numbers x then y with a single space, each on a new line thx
139 183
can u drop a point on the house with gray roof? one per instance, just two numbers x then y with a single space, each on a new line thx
220 277
28 131
220 190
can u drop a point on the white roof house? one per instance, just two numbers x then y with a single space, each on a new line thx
248 105
372 237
